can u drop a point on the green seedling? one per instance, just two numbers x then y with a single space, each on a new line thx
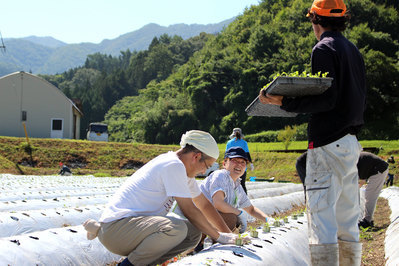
304 74
277 222
365 234
266 227
253 232
239 241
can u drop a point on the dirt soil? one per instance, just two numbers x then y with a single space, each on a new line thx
373 238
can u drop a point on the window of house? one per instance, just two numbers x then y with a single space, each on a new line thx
57 124
23 117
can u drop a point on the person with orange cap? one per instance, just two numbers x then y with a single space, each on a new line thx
336 117
135 223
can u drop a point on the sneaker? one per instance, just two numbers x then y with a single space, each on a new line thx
364 223
199 247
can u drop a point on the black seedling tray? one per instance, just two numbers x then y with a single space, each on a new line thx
288 86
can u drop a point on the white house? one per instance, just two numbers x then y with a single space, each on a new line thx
45 110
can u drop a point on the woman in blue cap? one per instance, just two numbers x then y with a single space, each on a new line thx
237 140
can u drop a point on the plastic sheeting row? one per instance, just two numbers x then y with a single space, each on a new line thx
392 233
285 245
46 231
58 246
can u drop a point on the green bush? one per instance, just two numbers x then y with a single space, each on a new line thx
287 135
301 132
26 147
265 136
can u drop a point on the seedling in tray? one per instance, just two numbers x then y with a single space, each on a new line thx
266 228
253 232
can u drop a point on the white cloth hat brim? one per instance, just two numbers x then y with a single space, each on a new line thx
201 140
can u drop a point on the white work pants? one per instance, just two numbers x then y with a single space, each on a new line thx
373 189
332 191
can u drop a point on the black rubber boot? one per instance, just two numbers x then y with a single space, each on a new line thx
125 262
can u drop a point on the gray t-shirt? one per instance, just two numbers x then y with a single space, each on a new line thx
220 180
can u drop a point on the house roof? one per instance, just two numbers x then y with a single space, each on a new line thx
51 85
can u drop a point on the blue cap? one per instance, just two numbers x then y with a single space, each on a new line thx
236 152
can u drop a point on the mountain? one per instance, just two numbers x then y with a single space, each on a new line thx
46 55
45 41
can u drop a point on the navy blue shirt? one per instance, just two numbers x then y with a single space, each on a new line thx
339 110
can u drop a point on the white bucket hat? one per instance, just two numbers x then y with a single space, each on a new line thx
201 140
237 129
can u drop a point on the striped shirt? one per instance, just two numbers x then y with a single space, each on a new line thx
220 180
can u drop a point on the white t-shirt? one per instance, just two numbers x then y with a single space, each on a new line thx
151 190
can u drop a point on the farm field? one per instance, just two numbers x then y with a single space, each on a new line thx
109 161
41 217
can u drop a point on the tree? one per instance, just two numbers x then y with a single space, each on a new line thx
287 135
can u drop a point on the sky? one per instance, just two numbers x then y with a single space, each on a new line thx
76 21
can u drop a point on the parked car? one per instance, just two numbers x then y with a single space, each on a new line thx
97 132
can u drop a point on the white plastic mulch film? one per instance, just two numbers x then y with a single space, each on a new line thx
392 233
284 245
41 217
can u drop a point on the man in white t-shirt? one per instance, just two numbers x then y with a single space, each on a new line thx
134 223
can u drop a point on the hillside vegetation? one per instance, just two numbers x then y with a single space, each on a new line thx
123 159
208 81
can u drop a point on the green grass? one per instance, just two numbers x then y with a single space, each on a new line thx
109 158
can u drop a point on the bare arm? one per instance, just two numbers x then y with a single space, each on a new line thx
270 99
221 205
195 216
211 213
255 212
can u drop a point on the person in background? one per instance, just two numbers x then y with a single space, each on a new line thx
391 162
64 170
336 117
135 222
237 139
372 170
223 188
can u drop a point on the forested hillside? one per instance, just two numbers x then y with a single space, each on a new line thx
212 90
103 80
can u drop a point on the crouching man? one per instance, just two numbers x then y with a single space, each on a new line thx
134 223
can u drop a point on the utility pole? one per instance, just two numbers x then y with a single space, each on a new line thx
2 46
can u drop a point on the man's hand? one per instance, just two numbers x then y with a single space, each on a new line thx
267 98
92 227
227 238
242 220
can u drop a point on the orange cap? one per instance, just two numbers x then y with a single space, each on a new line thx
328 8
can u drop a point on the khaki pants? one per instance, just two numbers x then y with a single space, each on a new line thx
332 191
149 240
